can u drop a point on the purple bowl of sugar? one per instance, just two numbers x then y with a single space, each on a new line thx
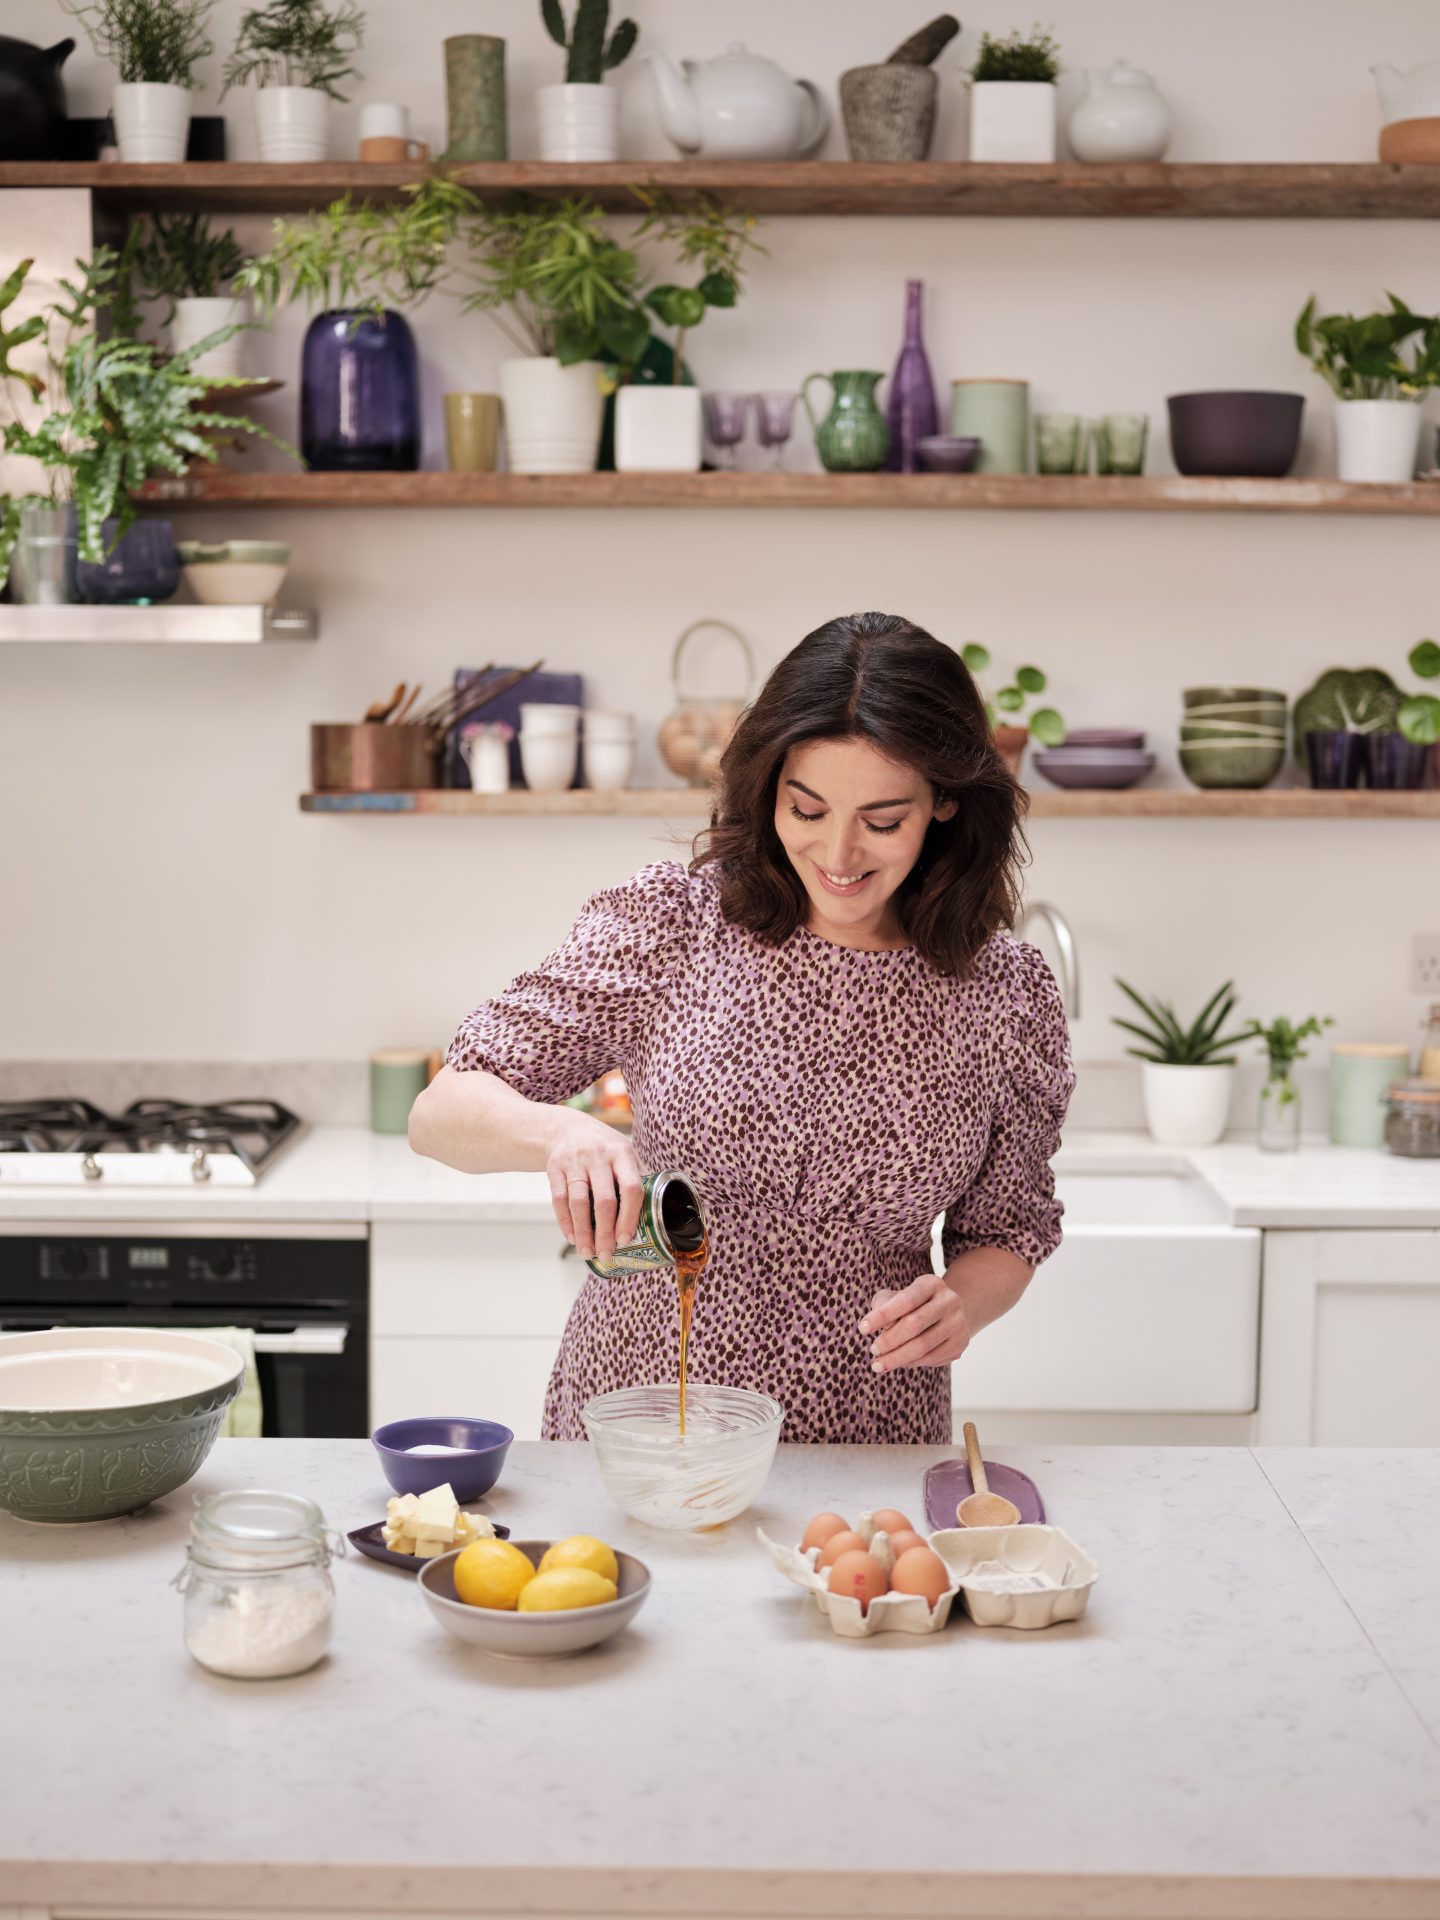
416 1455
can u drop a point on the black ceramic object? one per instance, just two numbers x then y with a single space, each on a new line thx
1334 758
32 99
206 138
1393 762
140 569
1238 435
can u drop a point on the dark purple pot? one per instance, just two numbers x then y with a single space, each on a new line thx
1394 762
359 394
141 569
1241 435
912 413
1335 758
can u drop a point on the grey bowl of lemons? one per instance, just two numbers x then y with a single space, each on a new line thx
534 1599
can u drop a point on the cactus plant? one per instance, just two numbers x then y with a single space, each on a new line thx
589 58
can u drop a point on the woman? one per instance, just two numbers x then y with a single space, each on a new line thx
823 1021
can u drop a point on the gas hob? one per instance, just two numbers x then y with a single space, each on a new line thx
153 1143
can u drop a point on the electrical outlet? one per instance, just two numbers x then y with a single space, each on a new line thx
1425 963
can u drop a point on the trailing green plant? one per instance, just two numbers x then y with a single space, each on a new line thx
352 255
297 43
1045 723
158 40
705 234
180 256
113 411
1169 1044
1283 1047
1034 56
1360 359
588 56
1419 715
555 280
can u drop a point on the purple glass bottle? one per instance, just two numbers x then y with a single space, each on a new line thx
359 394
911 411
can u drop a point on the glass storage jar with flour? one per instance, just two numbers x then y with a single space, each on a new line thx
259 1601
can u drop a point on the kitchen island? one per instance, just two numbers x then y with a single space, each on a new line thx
1244 1725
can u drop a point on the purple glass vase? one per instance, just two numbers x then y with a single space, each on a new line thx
911 411
359 394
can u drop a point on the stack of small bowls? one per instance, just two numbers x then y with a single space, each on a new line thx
609 750
1097 757
549 745
1232 736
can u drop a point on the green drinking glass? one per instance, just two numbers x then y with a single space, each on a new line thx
1060 445
1120 442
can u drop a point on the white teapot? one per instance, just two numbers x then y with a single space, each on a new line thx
1409 96
738 106
1123 116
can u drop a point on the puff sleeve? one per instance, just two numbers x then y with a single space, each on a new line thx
583 1009
1011 1202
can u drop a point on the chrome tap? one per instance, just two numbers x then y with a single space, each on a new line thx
1065 944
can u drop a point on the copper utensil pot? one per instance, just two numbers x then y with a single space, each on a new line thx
368 758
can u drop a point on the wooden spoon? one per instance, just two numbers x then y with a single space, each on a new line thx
983 1508
402 712
380 710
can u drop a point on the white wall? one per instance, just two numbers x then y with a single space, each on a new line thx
162 896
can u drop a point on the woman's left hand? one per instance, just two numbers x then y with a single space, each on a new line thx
924 1325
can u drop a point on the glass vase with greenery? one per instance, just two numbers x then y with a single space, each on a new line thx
1279 1127
161 41
1034 56
297 43
1361 359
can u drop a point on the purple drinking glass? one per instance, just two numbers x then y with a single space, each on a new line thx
359 394
774 423
1395 763
1334 758
724 424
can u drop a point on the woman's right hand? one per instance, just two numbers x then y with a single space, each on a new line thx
595 1185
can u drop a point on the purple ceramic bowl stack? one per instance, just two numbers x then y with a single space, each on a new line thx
1093 757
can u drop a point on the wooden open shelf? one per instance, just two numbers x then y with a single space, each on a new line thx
947 188
1088 493
693 803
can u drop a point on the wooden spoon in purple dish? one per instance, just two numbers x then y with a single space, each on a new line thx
983 1508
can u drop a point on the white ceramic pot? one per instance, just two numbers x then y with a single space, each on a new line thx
1186 1106
553 415
152 121
195 318
292 124
579 122
1376 439
1123 116
548 760
1012 120
658 430
602 725
608 764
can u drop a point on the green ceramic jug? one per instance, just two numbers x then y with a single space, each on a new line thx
853 436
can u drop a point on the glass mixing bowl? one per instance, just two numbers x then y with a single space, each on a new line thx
710 1475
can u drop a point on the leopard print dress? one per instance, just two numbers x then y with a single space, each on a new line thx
829 1103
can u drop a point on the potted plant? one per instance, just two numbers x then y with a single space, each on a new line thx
99 417
1279 1128
181 260
156 45
1186 1072
297 52
1379 393
1012 98
579 119
1045 724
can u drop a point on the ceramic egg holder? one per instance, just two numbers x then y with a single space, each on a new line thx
887 1612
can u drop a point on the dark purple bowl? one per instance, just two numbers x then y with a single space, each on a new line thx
1253 436
1105 737
947 452
1088 770
470 1473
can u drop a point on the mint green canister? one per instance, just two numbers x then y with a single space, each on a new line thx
398 1076
1361 1075
997 414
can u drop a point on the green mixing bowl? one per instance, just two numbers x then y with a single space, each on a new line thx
1233 696
1231 763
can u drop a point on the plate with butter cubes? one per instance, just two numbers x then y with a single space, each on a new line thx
420 1526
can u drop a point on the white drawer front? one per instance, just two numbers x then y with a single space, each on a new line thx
502 1380
502 1281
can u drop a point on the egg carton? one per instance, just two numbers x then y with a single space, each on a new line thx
1026 1576
888 1612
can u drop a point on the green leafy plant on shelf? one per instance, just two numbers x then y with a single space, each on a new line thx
707 236
180 256
1361 358
554 280
1419 715
1283 1047
156 40
352 256
297 43
1034 56
1169 1044
588 55
104 415
1008 705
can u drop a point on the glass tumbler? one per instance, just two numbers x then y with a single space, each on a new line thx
1060 445
1120 442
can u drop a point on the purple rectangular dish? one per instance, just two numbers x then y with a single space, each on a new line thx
948 1482
371 1542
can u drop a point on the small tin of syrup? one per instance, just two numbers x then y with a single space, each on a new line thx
671 1226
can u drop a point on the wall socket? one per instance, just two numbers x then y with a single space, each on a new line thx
1425 963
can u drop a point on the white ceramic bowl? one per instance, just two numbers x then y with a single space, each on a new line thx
548 760
234 573
608 764
600 725
538 717
531 1636
710 1475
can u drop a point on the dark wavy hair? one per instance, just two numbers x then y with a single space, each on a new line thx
878 678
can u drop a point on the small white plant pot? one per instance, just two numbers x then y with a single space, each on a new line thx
196 318
658 430
292 124
152 122
608 764
579 122
1012 120
1186 1106
1376 440
553 415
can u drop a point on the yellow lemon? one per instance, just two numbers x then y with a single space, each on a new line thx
565 1587
492 1573
582 1550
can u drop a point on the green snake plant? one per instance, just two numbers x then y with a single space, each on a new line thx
1169 1044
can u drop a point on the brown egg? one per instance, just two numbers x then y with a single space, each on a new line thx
860 1577
839 1543
920 1571
903 1541
821 1528
887 1520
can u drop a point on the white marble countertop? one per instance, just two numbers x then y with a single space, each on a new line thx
1238 1727
350 1174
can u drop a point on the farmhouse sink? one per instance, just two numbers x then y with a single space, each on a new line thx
1151 1304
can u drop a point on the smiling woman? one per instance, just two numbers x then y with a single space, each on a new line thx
825 1022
